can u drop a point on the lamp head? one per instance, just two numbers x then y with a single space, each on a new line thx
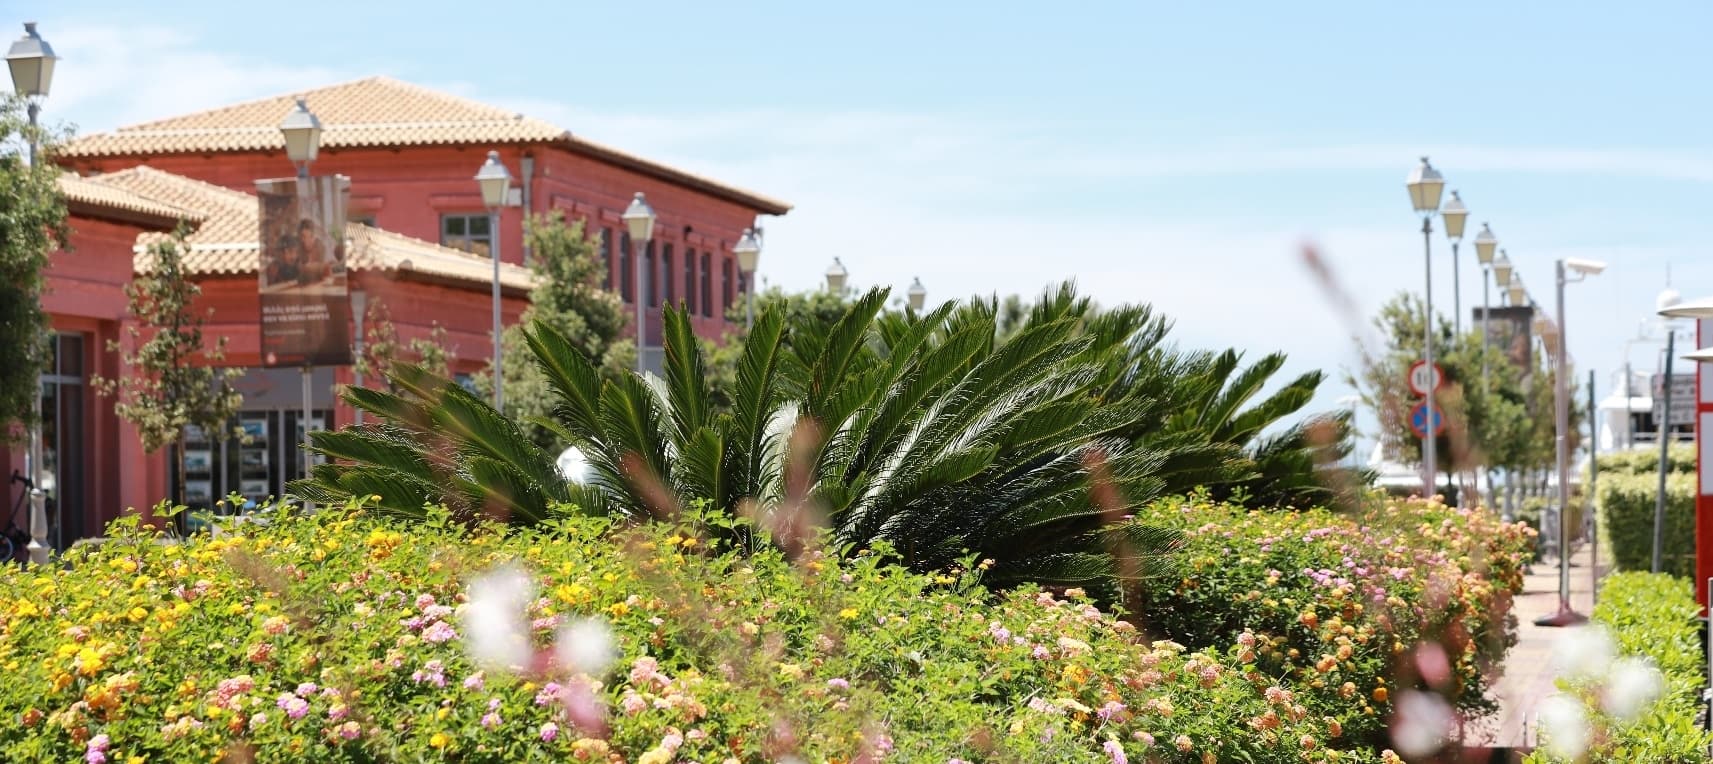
302 133
1485 242
31 60
917 295
639 217
748 251
1585 267
1425 185
1502 269
1454 214
836 276
495 181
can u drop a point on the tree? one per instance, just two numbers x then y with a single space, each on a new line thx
916 429
1501 421
172 380
32 224
382 348
569 298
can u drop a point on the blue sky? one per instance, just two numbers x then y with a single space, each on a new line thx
1178 154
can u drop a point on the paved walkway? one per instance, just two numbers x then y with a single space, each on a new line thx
1528 672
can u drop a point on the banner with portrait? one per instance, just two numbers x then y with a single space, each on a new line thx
305 298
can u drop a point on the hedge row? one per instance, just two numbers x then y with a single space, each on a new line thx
1653 616
1627 521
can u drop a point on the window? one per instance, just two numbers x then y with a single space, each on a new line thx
725 284
467 232
650 295
607 254
690 281
625 270
707 287
666 281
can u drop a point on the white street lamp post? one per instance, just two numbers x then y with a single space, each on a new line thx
1565 616
639 217
302 134
1698 310
1455 214
748 252
31 61
496 184
1425 186
836 275
1485 242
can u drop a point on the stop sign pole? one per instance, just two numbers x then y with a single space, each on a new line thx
1425 378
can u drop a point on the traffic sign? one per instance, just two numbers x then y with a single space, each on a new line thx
1419 420
1425 378
1682 399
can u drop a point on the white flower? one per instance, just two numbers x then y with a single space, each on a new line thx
1563 727
1585 652
495 629
1632 687
1423 725
585 645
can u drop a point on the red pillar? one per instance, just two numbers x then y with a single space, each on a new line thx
1703 467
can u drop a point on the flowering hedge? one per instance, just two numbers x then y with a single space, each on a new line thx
1402 596
337 637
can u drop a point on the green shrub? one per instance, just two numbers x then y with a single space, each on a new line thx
1645 461
1627 521
342 637
1651 615
1332 599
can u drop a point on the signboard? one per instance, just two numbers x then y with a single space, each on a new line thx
1419 420
1682 399
1425 378
306 308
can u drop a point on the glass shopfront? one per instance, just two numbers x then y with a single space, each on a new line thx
257 454
61 475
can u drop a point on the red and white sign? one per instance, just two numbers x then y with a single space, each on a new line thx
1425 378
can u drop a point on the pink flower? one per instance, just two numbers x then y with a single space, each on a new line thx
1040 653
306 689
350 730
474 681
1146 739
549 731
549 693
1183 743
1111 709
1115 749
432 672
424 600
838 683
440 632
258 720
490 720
294 706
632 703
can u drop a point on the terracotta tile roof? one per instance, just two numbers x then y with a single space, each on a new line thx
371 113
88 198
226 241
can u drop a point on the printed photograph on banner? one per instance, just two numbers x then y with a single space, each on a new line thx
302 277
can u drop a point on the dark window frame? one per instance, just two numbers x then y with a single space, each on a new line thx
465 237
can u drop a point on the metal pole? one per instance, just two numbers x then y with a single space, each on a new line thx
749 300
494 248
1593 474
1456 293
1664 430
638 247
308 387
1429 446
38 547
1629 392
360 305
1486 318
1561 398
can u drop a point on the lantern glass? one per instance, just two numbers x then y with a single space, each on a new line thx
495 181
1425 185
748 251
639 217
836 276
1454 214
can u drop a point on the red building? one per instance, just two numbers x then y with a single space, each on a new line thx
418 243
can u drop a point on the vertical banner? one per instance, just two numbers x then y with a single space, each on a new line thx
306 308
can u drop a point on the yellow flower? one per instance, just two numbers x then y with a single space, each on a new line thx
441 714
618 608
439 740
25 608
90 661
655 756
848 613
137 614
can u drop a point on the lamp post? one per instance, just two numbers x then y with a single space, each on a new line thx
1425 186
1563 271
1518 293
639 217
302 134
836 275
917 296
496 184
31 61
748 252
1455 214
1485 242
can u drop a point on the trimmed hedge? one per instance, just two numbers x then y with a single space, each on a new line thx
1627 521
1645 461
1651 615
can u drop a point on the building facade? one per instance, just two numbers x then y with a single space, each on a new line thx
419 244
